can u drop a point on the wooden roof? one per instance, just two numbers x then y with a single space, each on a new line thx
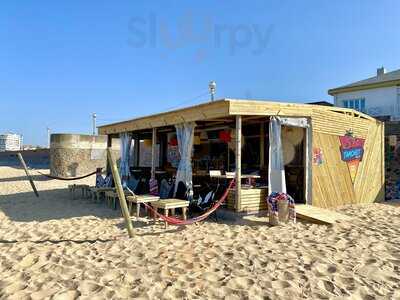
231 107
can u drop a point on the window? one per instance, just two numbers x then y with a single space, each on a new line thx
357 104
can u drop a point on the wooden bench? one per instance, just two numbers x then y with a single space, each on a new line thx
111 198
171 204
138 199
97 192
74 187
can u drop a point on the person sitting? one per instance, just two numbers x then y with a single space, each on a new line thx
108 181
166 189
100 181
181 191
132 183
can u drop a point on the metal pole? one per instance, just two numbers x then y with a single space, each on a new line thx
153 153
94 116
238 162
48 137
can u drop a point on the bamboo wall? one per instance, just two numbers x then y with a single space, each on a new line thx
331 181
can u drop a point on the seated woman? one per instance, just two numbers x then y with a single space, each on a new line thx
100 180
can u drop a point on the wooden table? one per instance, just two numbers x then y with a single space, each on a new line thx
243 176
138 199
232 176
167 204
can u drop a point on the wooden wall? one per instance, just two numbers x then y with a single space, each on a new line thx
252 200
331 182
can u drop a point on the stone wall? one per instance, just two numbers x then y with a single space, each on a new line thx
74 155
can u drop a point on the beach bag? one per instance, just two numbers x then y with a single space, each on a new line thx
281 208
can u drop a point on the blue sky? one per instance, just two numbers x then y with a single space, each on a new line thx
62 60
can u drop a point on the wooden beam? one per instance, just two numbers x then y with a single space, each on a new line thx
238 162
262 143
120 191
136 152
21 159
153 153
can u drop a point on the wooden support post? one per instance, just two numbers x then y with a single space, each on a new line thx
136 152
228 158
21 159
153 153
108 166
120 191
262 143
238 162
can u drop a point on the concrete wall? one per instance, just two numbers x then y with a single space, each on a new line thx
378 102
75 154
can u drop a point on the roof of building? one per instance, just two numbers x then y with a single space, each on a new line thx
231 107
383 80
323 103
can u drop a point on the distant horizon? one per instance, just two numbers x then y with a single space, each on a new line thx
61 62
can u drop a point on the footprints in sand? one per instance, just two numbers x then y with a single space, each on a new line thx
60 257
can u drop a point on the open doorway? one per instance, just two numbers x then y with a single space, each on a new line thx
294 156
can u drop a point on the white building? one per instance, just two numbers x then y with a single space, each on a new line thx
10 142
378 96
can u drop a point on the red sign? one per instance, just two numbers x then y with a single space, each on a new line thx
352 150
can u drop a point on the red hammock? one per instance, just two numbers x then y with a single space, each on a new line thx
179 222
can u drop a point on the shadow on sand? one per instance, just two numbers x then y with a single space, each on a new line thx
52 204
22 178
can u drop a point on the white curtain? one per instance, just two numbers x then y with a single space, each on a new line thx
185 135
276 168
125 149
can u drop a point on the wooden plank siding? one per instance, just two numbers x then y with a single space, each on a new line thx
332 185
251 200
368 185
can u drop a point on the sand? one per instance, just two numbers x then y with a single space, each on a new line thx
54 247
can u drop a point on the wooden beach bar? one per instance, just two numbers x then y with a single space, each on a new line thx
322 156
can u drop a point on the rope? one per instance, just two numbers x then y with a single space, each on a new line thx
179 222
65 178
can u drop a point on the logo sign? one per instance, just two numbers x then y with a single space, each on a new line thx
352 154
352 150
317 156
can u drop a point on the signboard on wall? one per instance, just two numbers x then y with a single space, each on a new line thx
173 156
145 155
352 151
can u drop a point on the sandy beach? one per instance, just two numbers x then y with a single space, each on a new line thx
54 247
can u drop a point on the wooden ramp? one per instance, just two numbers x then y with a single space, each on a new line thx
319 215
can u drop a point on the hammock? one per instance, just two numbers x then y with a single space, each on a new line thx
179 222
65 178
